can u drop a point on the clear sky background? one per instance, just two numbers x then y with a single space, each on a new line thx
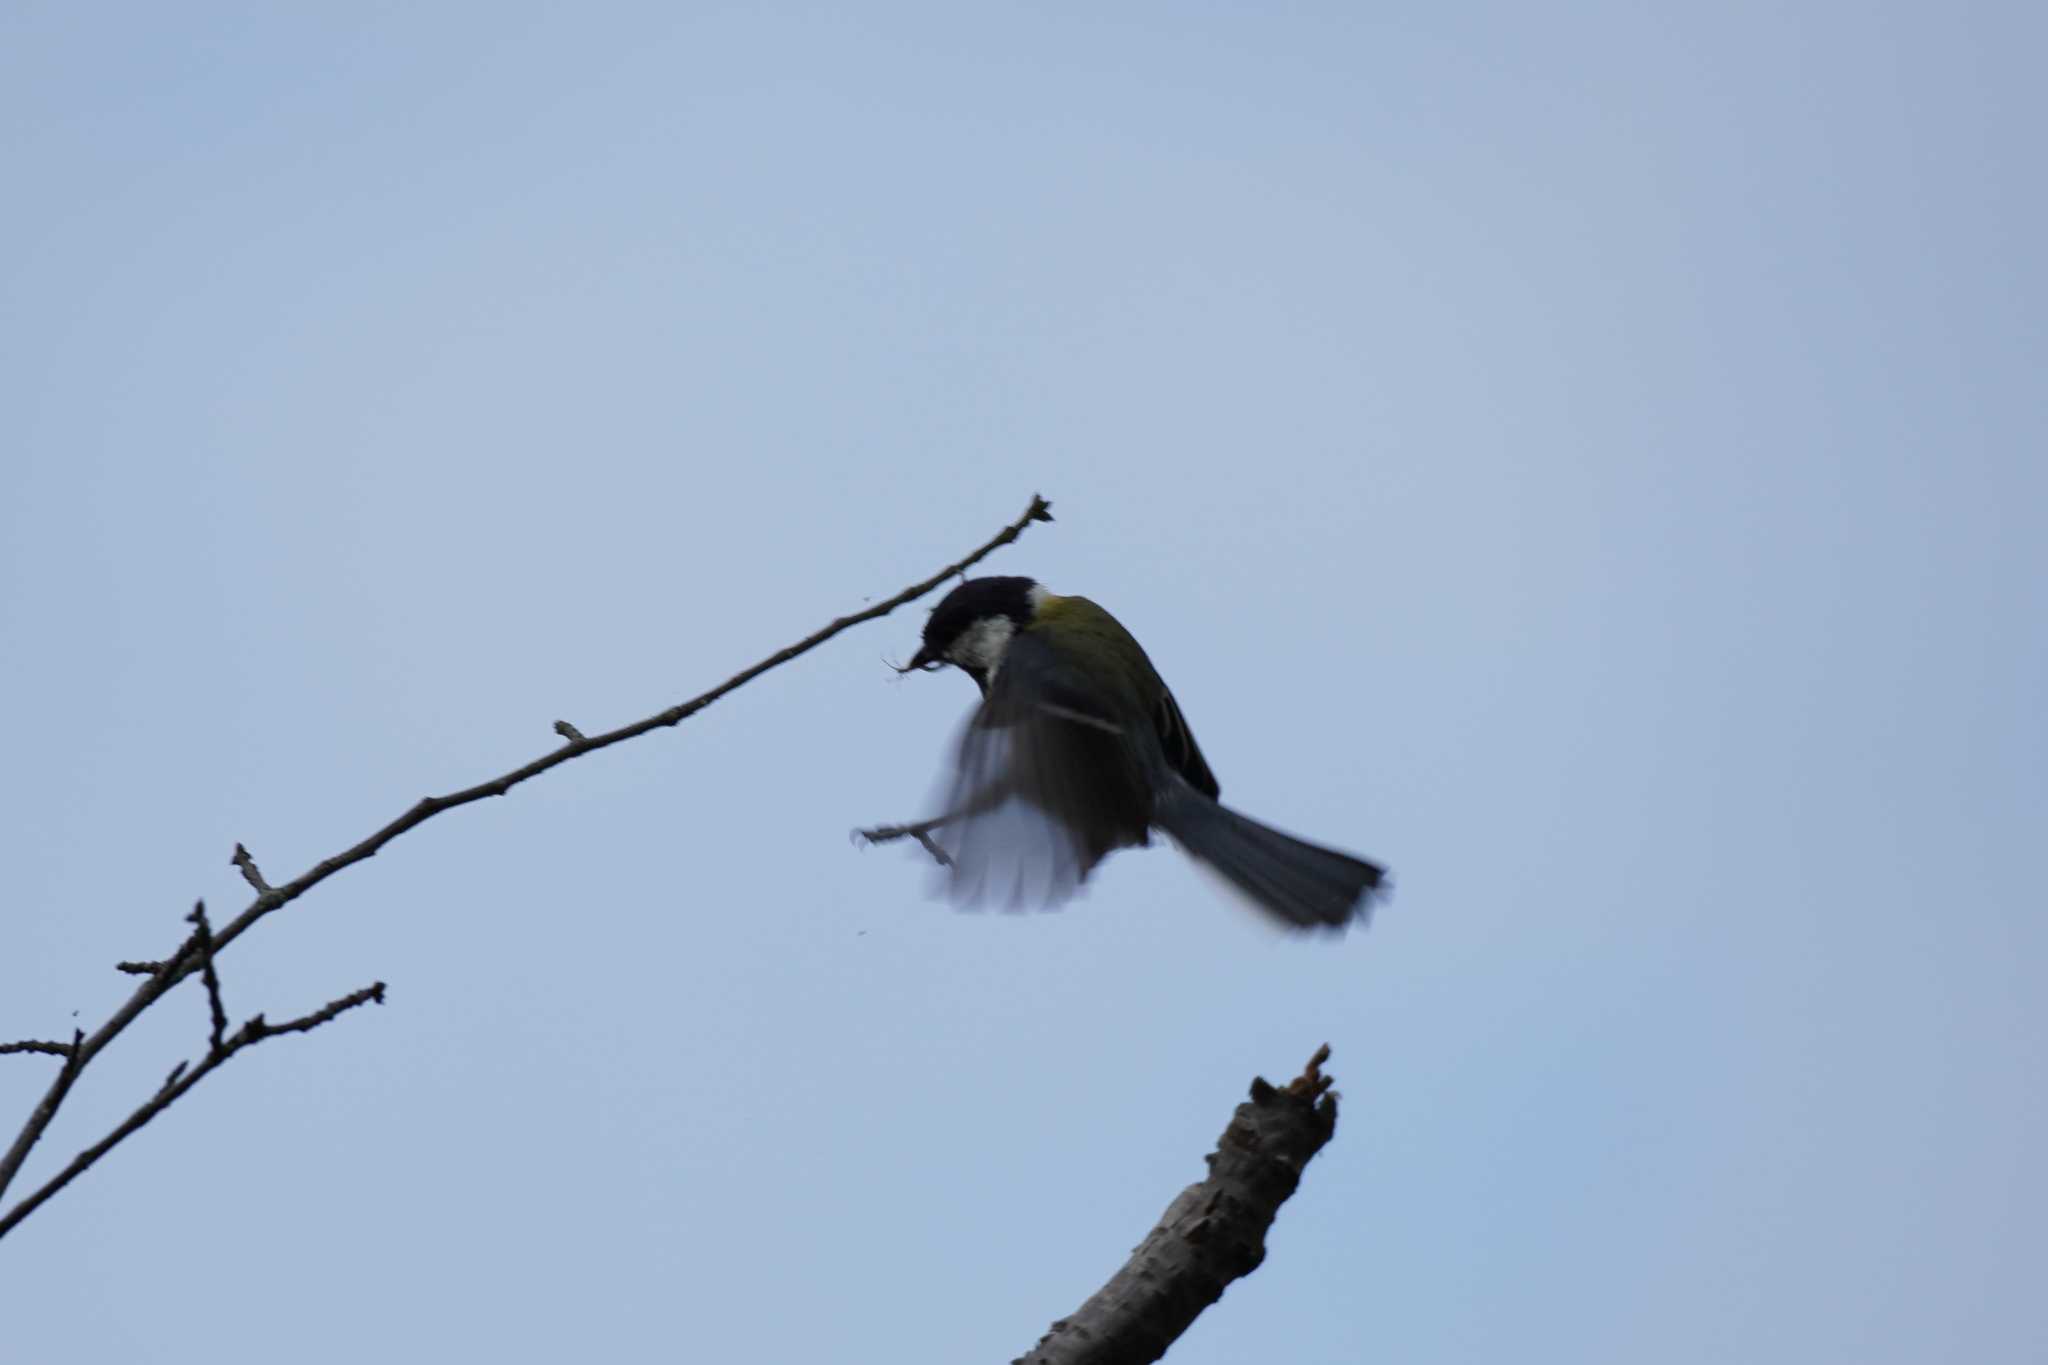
1589 457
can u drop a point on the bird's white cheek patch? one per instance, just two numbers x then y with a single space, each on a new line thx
983 644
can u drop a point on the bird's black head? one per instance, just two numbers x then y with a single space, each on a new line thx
972 626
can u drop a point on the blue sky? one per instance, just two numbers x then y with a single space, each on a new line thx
1590 459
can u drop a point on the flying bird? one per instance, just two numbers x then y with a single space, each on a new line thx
1078 749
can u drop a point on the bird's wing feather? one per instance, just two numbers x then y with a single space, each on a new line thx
1181 750
1045 784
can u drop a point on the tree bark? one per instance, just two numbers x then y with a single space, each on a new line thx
1212 1233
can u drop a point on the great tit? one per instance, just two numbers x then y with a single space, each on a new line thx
1078 749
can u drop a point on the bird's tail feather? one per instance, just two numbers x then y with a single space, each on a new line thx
1298 883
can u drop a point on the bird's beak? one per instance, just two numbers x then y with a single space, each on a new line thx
921 662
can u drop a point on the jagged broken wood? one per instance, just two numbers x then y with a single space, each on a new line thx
1212 1233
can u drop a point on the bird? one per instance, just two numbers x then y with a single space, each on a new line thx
1079 749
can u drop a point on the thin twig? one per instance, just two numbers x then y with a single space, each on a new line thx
37 1045
250 872
161 977
258 1029
570 732
174 1087
203 932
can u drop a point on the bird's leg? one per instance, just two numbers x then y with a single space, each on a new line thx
920 831
990 796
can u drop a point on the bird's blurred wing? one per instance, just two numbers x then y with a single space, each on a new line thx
1043 786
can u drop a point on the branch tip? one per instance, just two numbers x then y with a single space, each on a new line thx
250 872
258 1027
1311 1083
1212 1233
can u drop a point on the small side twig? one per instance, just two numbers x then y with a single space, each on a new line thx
257 1029
920 831
202 934
1213 1233
250 872
172 968
570 732
177 1084
37 1045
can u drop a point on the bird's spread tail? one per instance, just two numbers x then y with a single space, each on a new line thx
1297 883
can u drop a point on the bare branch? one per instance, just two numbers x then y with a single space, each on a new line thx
1213 1233
175 1086
197 955
428 807
37 1045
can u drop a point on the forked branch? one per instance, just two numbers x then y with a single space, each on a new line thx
203 946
